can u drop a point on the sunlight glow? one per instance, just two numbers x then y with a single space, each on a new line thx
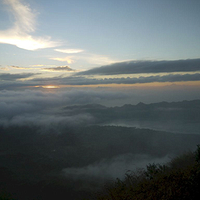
69 51
26 41
50 86
25 24
66 59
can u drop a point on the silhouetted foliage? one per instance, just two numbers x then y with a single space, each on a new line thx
197 154
179 179
36 163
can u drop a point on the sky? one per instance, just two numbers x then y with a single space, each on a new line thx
111 46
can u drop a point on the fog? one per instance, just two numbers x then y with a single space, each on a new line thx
116 167
72 142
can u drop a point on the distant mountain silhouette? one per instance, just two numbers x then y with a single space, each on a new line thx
185 114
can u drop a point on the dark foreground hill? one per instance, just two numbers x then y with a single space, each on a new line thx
75 162
178 179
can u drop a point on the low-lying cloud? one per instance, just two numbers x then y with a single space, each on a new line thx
15 103
37 108
48 122
113 168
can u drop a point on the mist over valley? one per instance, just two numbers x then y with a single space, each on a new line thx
74 150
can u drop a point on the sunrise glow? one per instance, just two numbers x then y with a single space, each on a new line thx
50 86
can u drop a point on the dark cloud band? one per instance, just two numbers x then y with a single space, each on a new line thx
14 77
11 80
60 68
135 67
150 79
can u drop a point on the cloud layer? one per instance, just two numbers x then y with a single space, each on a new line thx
14 77
136 67
113 168
11 81
89 81
15 103
60 68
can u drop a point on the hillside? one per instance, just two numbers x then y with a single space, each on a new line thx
73 151
52 163
182 117
178 179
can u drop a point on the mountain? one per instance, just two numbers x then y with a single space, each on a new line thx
182 117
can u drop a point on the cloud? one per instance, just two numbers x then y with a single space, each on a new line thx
24 24
150 79
83 81
60 68
94 59
4 68
29 101
69 51
14 77
113 168
89 81
40 65
41 108
48 122
98 59
65 59
36 108
135 67
17 67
